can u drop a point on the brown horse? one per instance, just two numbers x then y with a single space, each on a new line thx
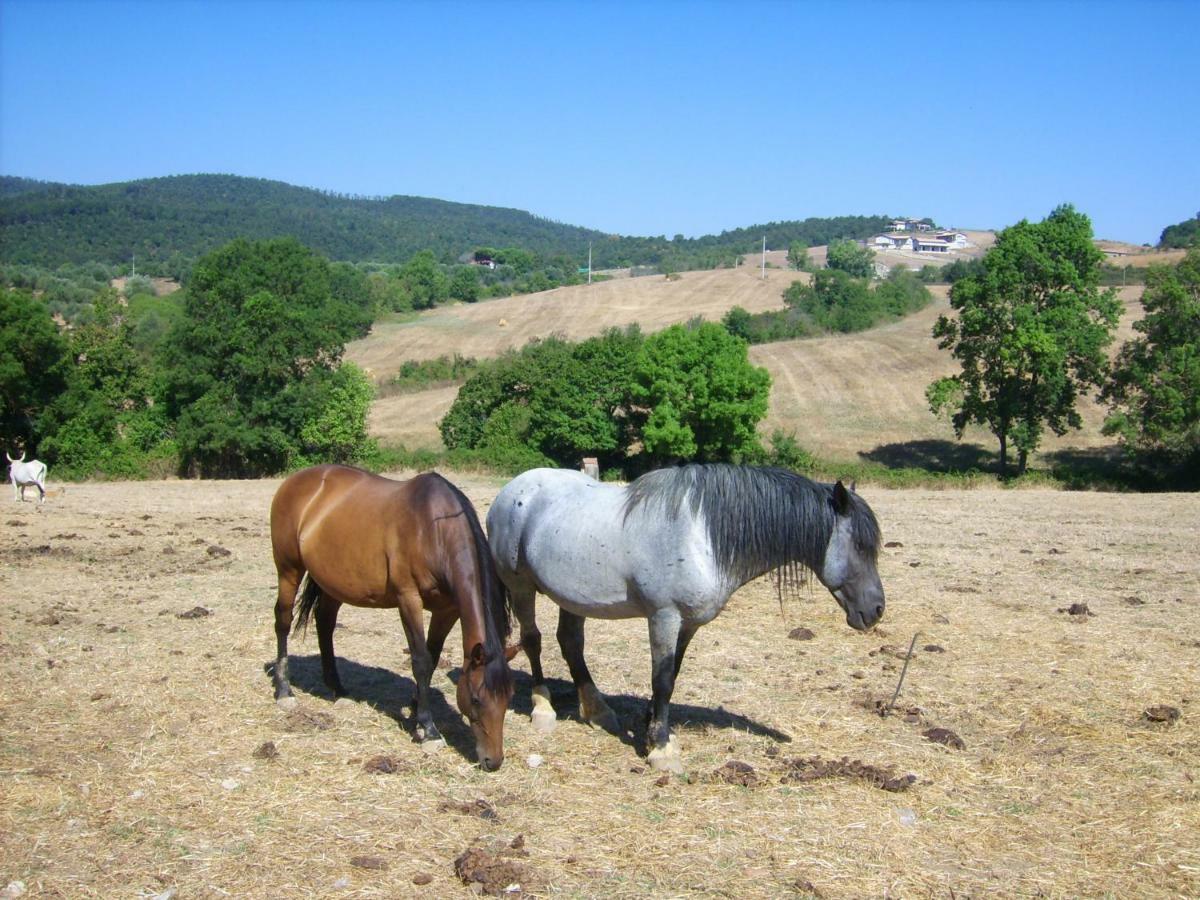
412 545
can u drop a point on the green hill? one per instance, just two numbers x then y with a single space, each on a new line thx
168 222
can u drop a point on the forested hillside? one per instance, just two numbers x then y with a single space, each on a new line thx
168 223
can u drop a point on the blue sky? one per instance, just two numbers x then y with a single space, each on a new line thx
639 118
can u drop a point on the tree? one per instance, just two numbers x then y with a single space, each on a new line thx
850 258
697 396
104 422
422 281
1030 334
798 256
1154 389
464 284
560 400
262 323
1182 234
34 362
335 426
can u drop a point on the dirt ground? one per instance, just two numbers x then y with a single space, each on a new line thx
142 756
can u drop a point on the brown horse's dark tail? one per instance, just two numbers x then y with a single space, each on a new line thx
310 593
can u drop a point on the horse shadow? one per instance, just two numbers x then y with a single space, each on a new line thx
632 712
386 692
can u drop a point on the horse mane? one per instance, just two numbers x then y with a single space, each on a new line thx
759 519
497 617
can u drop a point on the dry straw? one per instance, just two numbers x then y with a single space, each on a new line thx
130 761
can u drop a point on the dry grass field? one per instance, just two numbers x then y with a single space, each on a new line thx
842 396
142 756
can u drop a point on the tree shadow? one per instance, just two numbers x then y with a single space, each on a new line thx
384 691
1110 468
933 455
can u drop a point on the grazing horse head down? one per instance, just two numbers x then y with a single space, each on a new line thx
671 548
848 570
24 474
353 537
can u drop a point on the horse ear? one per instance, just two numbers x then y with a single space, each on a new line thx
478 655
510 652
841 499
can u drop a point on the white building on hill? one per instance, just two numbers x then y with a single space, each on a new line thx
937 242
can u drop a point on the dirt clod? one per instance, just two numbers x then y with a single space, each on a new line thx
801 634
1077 609
934 648
196 612
422 878
383 764
369 862
493 872
216 550
266 750
814 767
945 736
736 772
1168 714
480 808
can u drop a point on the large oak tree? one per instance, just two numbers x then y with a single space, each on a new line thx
1030 334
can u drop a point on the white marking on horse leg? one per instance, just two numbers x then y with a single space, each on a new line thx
543 711
288 703
593 709
433 745
666 758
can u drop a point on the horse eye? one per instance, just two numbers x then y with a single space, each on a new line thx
475 701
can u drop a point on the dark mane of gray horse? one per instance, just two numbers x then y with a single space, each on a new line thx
758 519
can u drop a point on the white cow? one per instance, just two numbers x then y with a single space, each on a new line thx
23 474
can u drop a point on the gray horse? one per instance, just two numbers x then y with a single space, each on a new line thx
671 548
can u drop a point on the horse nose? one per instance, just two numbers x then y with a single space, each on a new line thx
488 764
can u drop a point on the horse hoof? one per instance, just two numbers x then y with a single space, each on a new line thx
432 745
543 713
666 758
287 704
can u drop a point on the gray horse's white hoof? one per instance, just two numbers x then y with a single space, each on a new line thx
543 712
666 758
287 704
431 746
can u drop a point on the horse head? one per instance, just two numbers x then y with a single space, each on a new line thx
484 690
849 570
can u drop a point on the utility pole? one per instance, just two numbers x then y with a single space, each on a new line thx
589 262
764 258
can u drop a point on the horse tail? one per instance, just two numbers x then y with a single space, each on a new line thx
310 593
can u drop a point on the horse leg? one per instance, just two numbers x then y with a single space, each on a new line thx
440 624
284 601
422 666
669 638
327 613
592 707
524 608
